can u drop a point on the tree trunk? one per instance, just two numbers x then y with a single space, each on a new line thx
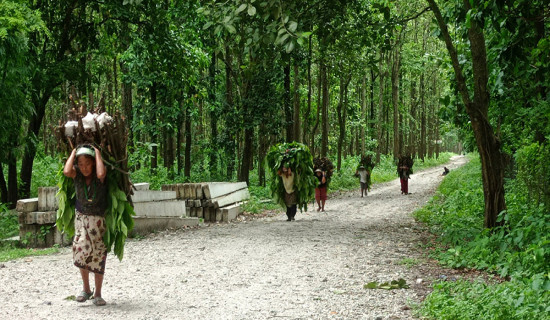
492 160
30 147
363 114
154 133
262 151
247 154
307 123
179 125
287 105
230 142
213 155
324 110
188 142
296 116
380 108
3 186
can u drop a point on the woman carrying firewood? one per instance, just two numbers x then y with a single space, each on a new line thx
89 251
321 189
404 169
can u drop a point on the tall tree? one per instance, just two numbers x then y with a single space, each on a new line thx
477 107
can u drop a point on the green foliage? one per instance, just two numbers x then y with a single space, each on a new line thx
260 200
515 300
118 218
519 251
298 158
9 226
45 172
66 198
394 284
533 174
10 252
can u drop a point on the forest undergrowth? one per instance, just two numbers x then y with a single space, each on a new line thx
516 256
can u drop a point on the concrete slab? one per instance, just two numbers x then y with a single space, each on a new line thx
218 189
230 212
143 186
231 198
151 195
46 198
169 208
27 205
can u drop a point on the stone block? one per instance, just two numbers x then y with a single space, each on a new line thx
46 198
198 190
231 198
218 189
230 212
27 205
143 186
45 217
170 208
151 195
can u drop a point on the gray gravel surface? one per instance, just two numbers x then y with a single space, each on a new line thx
256 268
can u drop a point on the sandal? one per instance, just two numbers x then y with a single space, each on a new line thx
83 296
98 301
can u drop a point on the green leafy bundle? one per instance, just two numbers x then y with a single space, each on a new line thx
118 217
299 159
66 198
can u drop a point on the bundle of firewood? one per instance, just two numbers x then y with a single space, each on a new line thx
405 161
325 165
366 161
93 126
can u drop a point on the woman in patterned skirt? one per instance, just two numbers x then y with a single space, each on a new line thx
89 251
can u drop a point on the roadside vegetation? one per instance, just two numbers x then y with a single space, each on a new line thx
516 256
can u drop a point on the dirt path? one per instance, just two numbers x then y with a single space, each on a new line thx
312 268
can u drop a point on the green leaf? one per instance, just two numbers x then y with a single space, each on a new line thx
240 8
251 10
292 26
371 285
230 28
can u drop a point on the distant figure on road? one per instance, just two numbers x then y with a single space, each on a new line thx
363 175
446 171
321 189
404 169
290 193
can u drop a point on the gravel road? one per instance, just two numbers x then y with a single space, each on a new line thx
256 268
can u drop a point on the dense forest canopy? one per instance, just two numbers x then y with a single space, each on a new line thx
208 86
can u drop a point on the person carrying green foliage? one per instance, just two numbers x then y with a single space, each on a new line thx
287 176
292 182
89 251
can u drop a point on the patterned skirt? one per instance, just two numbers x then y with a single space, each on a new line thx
89 251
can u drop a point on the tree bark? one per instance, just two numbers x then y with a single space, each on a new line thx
380 108
154 132
296 116
213 156
324 110
492 159
188 142
287 102
3 186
